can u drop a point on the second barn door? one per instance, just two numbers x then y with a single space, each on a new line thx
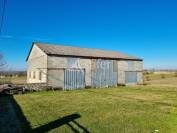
130 77
104 73
74 79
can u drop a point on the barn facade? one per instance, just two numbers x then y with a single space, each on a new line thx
71 68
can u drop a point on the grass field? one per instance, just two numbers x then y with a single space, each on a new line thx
169 79
14 80
163 82
138 109
153 76
123 110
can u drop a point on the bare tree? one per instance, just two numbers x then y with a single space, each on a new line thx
2 62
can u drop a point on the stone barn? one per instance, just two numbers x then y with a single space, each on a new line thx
71 68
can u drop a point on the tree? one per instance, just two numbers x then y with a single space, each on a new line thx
2 62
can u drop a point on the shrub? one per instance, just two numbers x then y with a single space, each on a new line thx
121 85
88 87
148 78
144 83
163 76
175 74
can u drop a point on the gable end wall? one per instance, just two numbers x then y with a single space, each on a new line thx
37 62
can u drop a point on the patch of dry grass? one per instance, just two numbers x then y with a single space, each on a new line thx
14 80
164 82
153 76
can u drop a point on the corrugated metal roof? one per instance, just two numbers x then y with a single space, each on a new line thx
61 50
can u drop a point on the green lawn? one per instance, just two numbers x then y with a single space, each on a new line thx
113 110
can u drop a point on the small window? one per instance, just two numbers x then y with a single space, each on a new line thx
40 75
72 62
34 75
131 65
29 74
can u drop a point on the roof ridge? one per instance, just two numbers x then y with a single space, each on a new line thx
79 47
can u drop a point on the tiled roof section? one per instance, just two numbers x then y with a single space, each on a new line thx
61 50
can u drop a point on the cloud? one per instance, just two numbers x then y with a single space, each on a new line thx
24 38
35 38
6 36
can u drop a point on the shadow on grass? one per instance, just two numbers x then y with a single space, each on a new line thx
66 120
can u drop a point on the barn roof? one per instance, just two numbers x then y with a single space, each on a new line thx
61 50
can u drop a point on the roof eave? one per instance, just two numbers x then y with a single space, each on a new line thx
30 51
92 57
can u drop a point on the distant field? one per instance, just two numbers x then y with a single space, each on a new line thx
14 80
153 76
169 79
163 82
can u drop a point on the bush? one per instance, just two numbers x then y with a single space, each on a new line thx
163 76
148 78
121 85
88 87
175 74
144 83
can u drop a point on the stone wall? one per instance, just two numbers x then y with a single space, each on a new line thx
124 66
86 63
56 78
58 63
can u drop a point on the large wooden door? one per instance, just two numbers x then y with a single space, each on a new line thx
103 73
